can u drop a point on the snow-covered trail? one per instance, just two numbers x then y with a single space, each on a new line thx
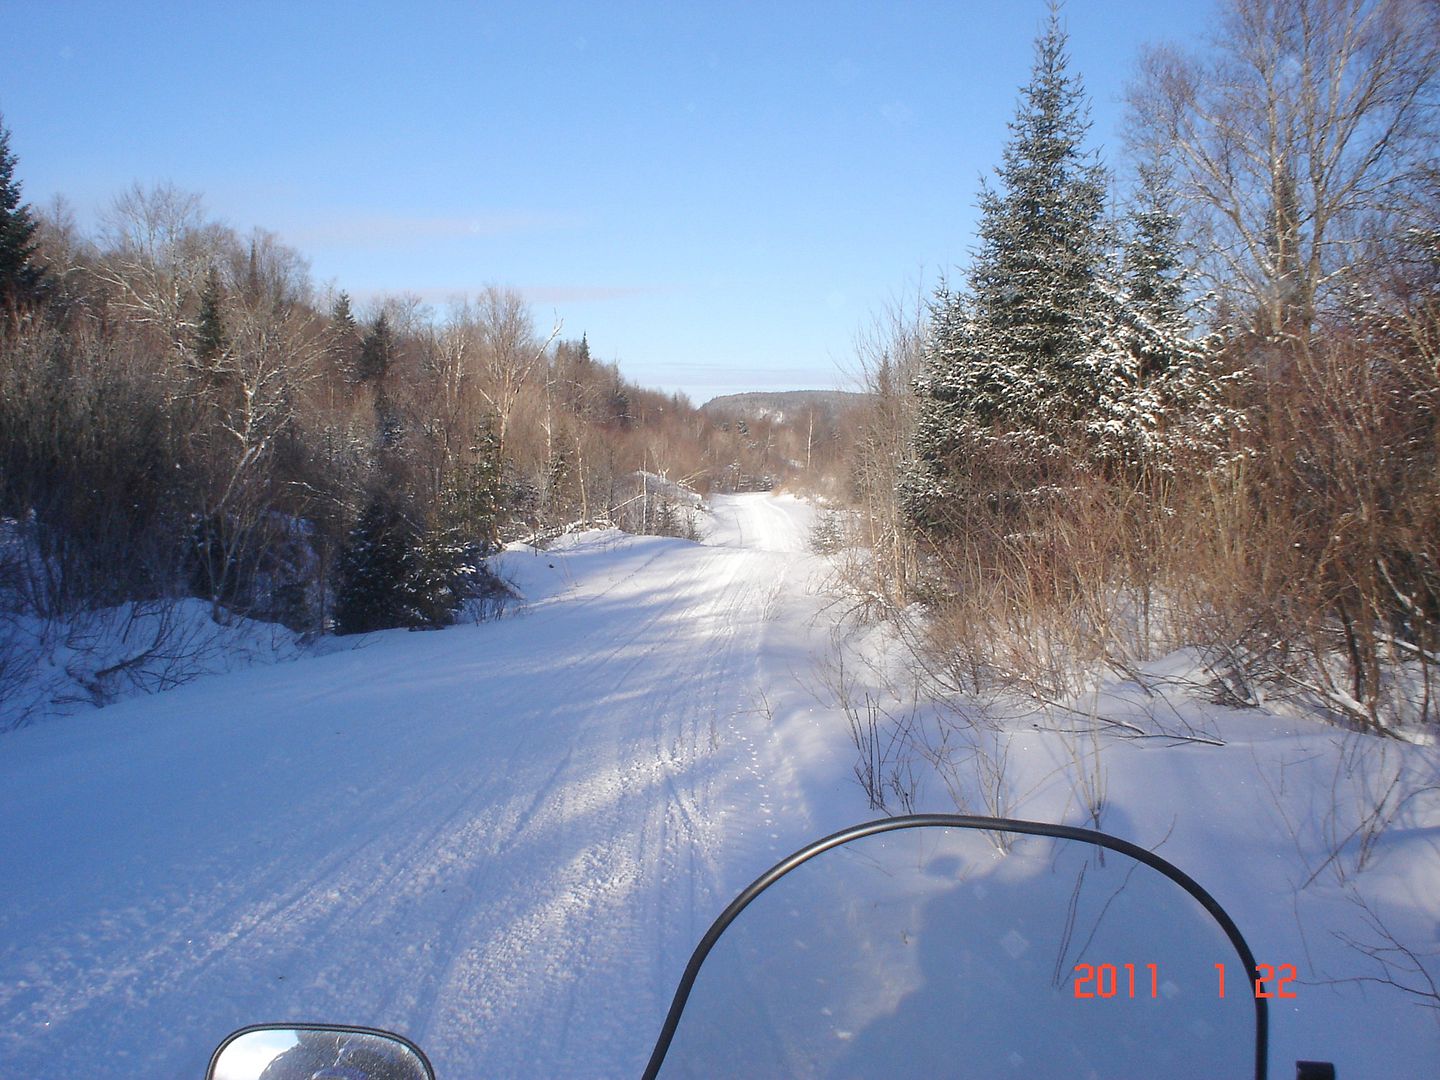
502 840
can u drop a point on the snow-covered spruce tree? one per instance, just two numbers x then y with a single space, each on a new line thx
377 351
442 570
21 279
212 339
1171 403
391 574
371 573
343 340
1021 354
943 421
473 499
394 572
372 368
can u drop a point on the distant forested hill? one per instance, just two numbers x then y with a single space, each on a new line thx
786 405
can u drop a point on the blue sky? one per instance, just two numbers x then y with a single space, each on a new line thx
719 195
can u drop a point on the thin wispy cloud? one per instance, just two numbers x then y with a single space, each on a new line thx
440 295
393 230
577 294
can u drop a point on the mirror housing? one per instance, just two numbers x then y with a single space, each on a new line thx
317 1052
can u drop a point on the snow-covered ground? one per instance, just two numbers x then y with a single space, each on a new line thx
503 840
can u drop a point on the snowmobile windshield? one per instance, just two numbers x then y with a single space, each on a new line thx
941 946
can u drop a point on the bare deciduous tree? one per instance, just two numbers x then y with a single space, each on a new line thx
889 356
158 249
498 330
1306 122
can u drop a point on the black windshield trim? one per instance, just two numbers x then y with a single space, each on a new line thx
955 821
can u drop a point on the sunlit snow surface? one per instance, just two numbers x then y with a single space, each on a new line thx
503 840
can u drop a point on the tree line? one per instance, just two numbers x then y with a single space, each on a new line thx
184 413
1199 411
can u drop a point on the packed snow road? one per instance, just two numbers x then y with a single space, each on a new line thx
502 840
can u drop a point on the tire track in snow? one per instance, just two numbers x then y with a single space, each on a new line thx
637 844
517 865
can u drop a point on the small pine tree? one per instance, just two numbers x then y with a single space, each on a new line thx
342 316
618 401
1172 397
445 569
377 356
942 422
377 352
474 499
665 521
1156 331
559 481
1287 313
393 573
344 338
828 533
211 338
372 570
21 279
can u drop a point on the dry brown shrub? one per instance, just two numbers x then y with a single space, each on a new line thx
1313 565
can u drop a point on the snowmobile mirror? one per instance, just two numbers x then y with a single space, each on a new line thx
316 1052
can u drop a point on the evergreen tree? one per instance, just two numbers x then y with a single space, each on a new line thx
211 339
1153 307
372 589
559 478
618 403
21 280
393 573
474 499
1285 314
342 341
1023 349
942 419
1171 395
438 573
254 282
344 338
377 351
343 317
664 521
377 355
